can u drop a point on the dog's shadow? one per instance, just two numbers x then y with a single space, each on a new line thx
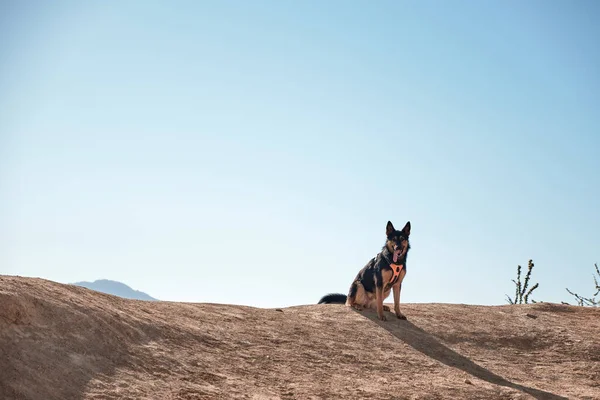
427 344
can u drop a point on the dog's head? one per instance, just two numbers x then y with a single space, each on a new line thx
397 241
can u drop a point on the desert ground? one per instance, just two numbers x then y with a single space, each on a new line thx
66 342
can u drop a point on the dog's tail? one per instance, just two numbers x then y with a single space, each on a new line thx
333 298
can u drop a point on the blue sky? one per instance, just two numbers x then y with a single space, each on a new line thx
252 152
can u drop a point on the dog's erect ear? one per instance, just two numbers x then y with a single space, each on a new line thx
389 229
406 229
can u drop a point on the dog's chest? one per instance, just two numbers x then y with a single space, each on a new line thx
394 275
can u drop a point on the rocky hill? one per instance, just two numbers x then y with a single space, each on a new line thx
67 342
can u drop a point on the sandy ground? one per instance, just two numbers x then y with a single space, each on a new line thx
66 342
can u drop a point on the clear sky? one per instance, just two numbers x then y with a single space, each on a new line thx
251 152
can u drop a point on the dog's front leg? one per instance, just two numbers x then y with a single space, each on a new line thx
379 294
396 288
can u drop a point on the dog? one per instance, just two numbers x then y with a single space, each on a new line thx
383 273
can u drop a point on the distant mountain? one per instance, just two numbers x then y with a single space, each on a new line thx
115 288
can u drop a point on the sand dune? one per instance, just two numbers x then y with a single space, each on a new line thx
67 342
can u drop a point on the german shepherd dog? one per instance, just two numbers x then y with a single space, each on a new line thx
383 273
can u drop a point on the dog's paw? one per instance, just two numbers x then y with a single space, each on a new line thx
386 308
400 315
357 307
382 317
